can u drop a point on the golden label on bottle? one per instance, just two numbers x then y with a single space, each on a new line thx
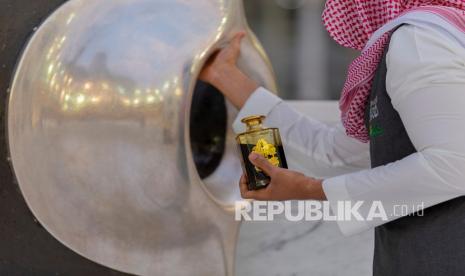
268 151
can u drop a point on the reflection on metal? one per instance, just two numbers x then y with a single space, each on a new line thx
98 127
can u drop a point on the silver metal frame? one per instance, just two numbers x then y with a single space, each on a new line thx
98 127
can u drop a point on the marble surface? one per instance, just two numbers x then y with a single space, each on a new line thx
283 248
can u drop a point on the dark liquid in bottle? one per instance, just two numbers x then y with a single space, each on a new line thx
258 179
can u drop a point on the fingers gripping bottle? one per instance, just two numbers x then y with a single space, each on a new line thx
264 141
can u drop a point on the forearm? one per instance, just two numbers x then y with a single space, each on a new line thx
318 149
235 85
416 182
312 189
311 146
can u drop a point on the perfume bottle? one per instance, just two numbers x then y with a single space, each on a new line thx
264 141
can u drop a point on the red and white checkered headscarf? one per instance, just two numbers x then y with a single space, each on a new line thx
353 23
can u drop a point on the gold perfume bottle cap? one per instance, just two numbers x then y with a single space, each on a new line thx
253 122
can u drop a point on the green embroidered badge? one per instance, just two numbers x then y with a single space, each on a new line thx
375 131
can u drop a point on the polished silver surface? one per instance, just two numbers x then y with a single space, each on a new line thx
98 126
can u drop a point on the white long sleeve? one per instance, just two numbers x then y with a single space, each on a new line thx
311 147
426 82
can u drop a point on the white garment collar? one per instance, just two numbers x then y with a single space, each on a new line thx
421 19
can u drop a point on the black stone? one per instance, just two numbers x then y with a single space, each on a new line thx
208 124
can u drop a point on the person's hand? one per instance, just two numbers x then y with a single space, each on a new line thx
223 60
222 72
285 184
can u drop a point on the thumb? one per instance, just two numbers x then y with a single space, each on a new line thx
236 43
260 162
